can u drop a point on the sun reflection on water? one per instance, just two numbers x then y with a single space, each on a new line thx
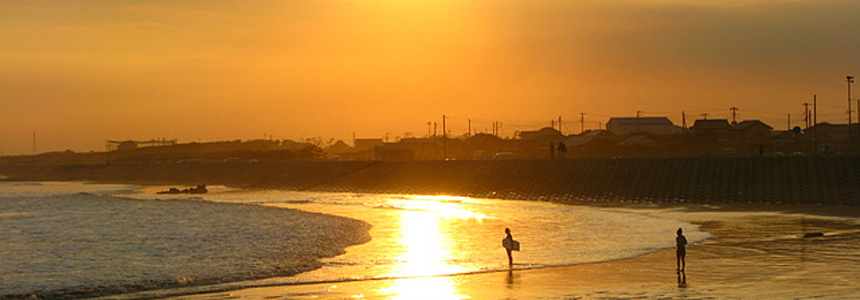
440 206
428 244
424 288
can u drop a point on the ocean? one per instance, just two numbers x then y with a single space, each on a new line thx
73 240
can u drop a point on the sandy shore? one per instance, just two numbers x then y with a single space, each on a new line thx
756 253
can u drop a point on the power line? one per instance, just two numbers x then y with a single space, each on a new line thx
762 112
699 111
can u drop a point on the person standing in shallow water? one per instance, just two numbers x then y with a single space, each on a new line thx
507 249
681 250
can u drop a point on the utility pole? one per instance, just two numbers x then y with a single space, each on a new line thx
560 128
705 115
552 123
444 139
815 123
806 115
638 114
684 121
849 80
470 128
444 128
734 110
581 123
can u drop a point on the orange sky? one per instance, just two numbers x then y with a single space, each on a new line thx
80 73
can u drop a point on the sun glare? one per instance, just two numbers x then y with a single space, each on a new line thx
428 245
444 206
424 288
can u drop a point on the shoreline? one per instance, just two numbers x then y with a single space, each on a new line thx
756 252
727 265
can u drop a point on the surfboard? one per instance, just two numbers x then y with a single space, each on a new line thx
511 244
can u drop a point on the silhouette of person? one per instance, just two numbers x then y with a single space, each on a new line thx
508 249
551 150
562 150
681 250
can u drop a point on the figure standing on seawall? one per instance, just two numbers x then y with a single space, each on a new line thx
681 251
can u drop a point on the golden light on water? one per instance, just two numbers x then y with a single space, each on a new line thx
424 288
441 206
425 234
428 243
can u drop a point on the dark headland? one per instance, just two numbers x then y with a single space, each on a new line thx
786 180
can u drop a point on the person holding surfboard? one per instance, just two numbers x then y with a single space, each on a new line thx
510 245
681 250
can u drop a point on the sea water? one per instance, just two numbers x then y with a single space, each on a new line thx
58 237
70 240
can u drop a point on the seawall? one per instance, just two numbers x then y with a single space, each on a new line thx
810 180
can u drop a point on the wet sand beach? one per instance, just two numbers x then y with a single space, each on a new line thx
756 253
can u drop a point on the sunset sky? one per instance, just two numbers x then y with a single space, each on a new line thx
80 72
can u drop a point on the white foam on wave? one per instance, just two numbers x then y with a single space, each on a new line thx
216 243
83 242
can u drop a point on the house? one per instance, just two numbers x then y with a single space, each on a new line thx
833 136
424 148
394 152
592 143
485 146
718 136
634 125
714 125
829 133
711 137
367 144
484 139
544 135
753 137
338 149
589 137
538 144
753 129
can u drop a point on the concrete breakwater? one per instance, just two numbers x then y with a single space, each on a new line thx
810 180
